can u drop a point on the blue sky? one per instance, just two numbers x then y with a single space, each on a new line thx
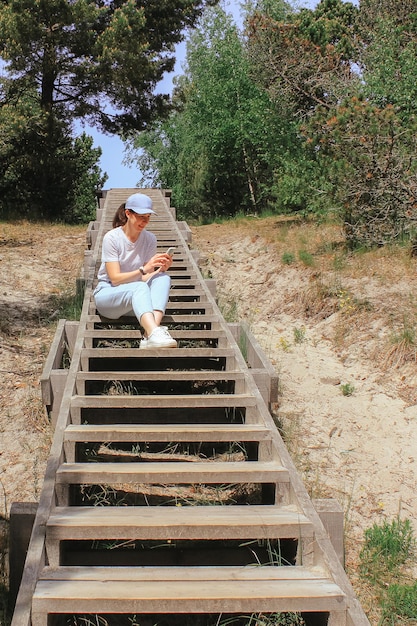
111 161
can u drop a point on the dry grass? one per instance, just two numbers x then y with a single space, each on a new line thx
369 290
39 263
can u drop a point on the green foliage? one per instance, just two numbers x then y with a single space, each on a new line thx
67 305
387 547
407 336
98 62
216 150
288 258
304 59
299 334
94 61
393 81
233 142
300 184
399 605
306 258
369 155
229 309
388 31
348 389
44 173
87 181
309 111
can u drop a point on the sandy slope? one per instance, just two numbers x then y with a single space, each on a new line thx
359 448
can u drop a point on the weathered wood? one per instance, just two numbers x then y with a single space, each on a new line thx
167 433
226 573
209 318
195 522
207 596
168 401
126 353
332 517
171 375
191 523
22 515
137 334
204 472
264 374
54 374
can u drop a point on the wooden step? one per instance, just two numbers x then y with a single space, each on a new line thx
164 401
101 590
145 375
197 308
126 353
190 522
166 433
136 334
185 282
214 472
232 380
172 319
200 308
180 270
181 291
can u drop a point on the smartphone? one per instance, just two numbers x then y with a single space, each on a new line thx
170 251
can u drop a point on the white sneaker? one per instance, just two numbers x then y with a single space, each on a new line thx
159 338
143 343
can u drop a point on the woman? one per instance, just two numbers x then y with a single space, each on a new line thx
132 274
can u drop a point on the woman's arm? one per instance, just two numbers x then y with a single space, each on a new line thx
117 277
159 262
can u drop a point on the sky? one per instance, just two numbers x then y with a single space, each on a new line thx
111 162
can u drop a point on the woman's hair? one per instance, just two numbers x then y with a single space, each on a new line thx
120 218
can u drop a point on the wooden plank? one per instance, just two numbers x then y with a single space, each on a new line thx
168 401
147 375
166 433
213 596
53 360
332 516
136 334
117 333
173 319
198 307
188 522
191 291
232 379
126 353
175 472
229 380
224 573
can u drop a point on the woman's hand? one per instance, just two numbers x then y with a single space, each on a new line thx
159 262
149 275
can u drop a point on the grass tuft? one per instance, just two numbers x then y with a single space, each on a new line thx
387 548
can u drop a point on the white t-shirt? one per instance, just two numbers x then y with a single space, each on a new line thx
131 255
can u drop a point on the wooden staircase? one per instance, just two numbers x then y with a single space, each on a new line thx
169 491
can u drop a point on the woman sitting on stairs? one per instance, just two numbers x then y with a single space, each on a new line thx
132 277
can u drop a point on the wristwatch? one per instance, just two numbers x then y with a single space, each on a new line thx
142 270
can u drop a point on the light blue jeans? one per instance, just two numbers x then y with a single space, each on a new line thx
138 297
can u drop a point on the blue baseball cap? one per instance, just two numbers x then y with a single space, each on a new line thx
139 203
